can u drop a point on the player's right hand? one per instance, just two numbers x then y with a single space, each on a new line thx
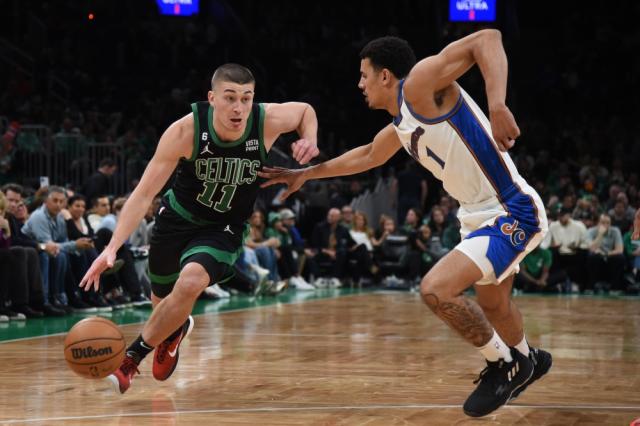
102 263
294 179
504 127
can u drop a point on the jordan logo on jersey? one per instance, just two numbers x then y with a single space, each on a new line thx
206 148
415 137
516 234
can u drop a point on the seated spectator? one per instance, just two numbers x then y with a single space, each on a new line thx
632 251
411 224
584 212
47 225
80 261
568 241
124 283
393 254
605 261
100 209
437 222
332 245
347 216
29 301
360 232
451 235
619 216
534 273
287 265
263 247
8 281
431 249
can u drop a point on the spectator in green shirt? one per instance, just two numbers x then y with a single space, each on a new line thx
534 273
632 251
287 264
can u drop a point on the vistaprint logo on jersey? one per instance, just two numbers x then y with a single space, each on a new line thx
252 145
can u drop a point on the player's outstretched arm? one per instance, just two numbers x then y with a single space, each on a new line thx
438 72
290 116
357 160
176 142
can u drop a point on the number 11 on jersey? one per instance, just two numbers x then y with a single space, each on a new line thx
223 205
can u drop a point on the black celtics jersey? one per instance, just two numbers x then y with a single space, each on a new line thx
219 183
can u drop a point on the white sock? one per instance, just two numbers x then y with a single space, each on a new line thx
523 346
496 349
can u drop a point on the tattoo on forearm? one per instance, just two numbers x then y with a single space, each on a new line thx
464 316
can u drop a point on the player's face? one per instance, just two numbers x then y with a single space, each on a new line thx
232 103
370 84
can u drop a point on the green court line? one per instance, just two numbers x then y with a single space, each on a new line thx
39 327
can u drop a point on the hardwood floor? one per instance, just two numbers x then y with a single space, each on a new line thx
374 359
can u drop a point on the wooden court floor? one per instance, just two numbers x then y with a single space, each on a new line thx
368 359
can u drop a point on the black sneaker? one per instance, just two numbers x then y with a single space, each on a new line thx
124 301
81 307
100 303
542 361
28 311
52 311
498 381
66 308
141 301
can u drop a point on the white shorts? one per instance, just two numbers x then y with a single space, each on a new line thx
497 241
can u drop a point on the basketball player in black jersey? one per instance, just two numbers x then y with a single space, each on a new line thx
218 149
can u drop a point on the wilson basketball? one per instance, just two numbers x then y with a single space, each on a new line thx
94 347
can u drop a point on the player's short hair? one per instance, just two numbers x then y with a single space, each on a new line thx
233 73
392 53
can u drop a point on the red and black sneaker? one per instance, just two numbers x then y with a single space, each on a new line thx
123 376
166 355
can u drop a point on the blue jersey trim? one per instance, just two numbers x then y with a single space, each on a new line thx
398 118
509 235
436 120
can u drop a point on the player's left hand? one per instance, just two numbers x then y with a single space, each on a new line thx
303 150
504 127
636 226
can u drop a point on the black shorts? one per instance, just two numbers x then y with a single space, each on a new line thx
176 241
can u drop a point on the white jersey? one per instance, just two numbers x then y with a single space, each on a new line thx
459 150
501 217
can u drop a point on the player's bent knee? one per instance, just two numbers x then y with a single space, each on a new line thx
192 281
434 291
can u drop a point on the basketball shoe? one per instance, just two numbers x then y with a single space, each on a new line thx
542 361
121 378
166 355
497 383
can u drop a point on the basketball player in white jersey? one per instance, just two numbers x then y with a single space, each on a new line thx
502 217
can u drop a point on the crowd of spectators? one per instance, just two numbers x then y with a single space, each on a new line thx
128 73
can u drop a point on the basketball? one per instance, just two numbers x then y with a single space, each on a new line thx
94 347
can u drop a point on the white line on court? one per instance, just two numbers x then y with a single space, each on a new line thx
307 408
